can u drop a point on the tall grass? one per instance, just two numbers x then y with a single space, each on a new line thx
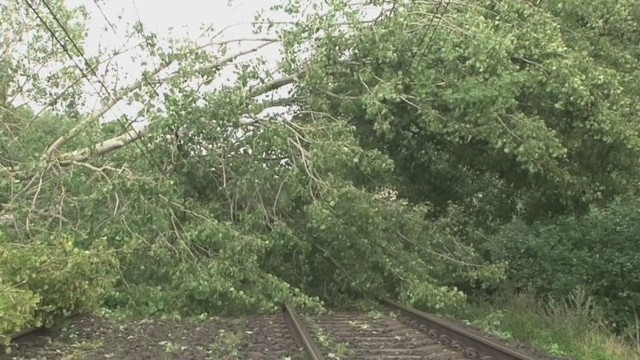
568 328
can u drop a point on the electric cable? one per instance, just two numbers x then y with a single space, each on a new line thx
105 16
145 150
424 45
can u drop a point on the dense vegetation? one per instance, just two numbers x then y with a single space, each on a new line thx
439 153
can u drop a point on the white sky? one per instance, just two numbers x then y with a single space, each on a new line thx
184 18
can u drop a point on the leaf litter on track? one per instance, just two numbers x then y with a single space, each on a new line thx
93 337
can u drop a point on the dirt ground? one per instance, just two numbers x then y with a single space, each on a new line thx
91 337
341 335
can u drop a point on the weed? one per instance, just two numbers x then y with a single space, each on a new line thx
171 347
80 350
360 325
336 350
567 327
226 345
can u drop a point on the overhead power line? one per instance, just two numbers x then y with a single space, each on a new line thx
105 16
144 36
424 43
145 150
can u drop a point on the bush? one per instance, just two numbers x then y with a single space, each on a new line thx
597 252
362 246
570 328
43 282
17 310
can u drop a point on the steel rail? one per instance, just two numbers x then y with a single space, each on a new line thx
57 322
301 334
460 339
25 332
32 330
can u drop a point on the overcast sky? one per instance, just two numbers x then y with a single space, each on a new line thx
184 16
168 18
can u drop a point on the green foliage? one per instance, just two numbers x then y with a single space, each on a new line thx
26 75
215 270
396 162
371 247
572 327
505 113
596 252
48 280
17 309
276 232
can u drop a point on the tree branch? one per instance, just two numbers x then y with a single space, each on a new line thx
107 146
103 147
273 85
55 147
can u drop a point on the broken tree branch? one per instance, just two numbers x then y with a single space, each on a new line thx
103 147
55 147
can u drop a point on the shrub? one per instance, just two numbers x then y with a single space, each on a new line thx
41 282
17 310
570 328
597 252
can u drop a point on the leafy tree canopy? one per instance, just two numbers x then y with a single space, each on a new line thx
215 206
410 126
502 107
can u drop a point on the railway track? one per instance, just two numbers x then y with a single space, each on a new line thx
400 332
411 334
